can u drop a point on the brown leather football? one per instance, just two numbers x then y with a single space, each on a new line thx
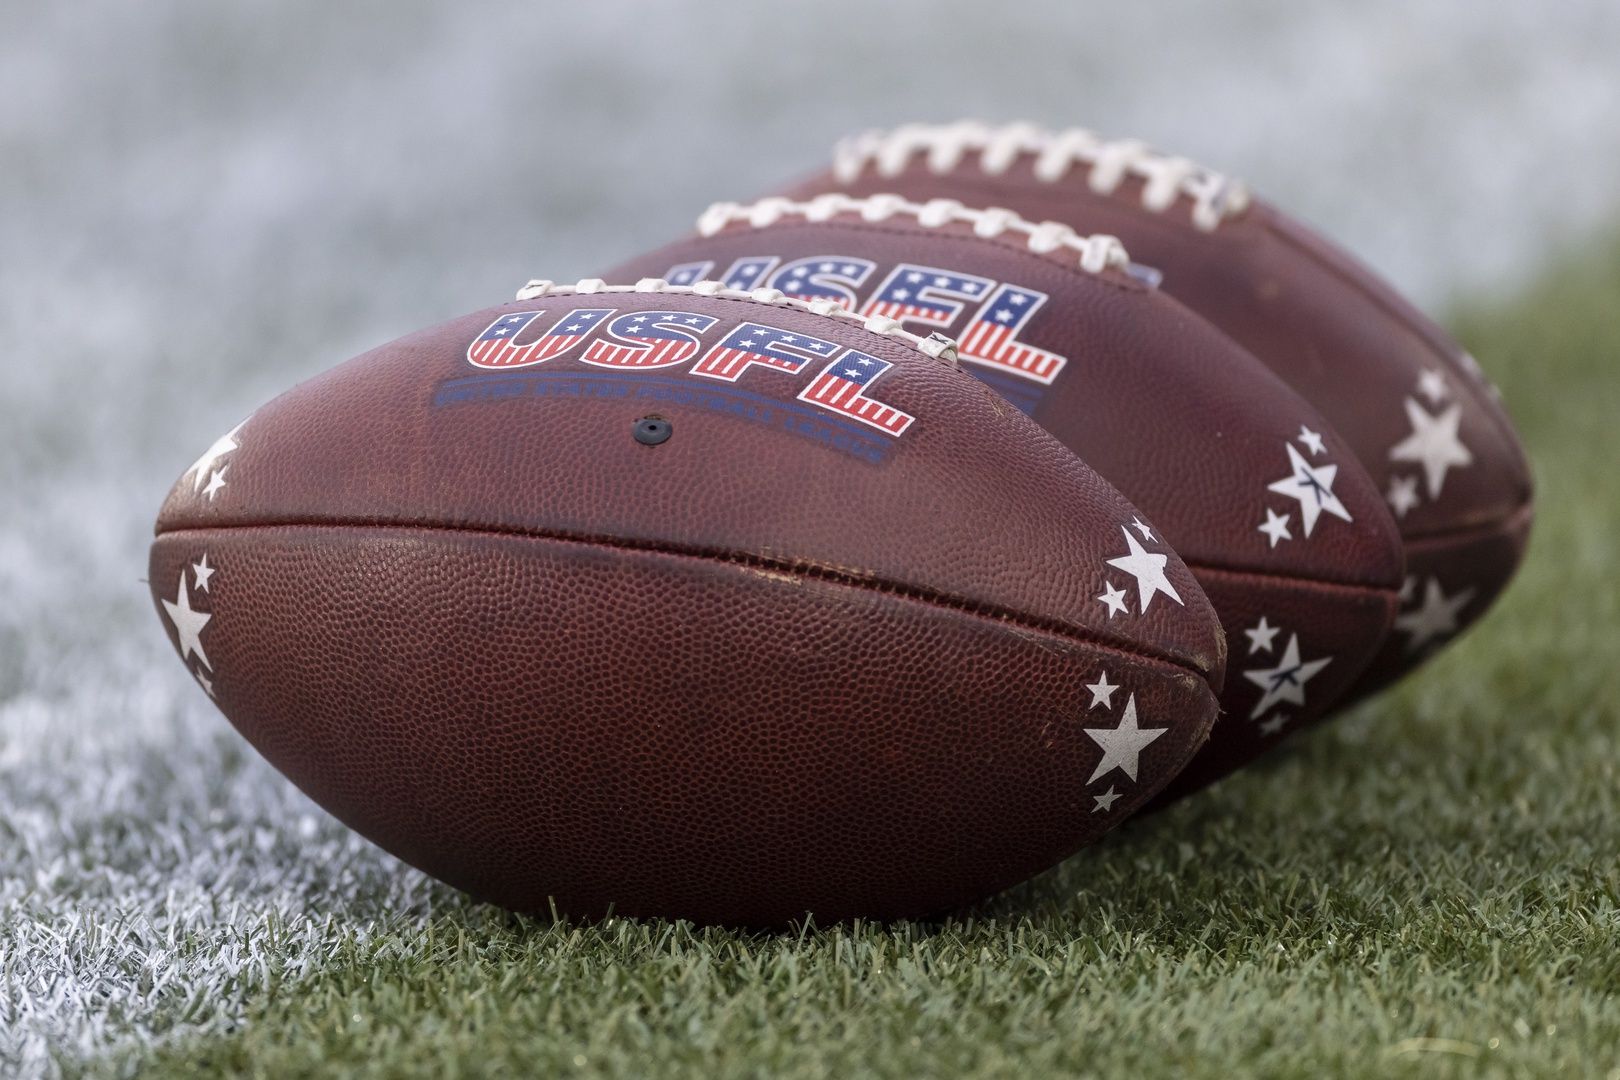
686 602
1409 400
1286 533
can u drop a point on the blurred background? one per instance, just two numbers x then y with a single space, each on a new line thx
204 203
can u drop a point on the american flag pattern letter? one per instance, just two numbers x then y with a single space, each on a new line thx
497 346
991 338
824 277
649 339
926 294
752 343
745 273
841 388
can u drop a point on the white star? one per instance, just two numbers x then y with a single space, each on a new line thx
1312 487
1435 618
901 294
1018 298
1402 495
1276 526
1141 526
1122 746
204 465
215 482
188 624
570 328
825 268
1105 801
851 270
1003 315
201 571
1102 691
1311 440
1261 636
1148 570
205 682
1408 588
1286 681
1274 724
915 279
1432 385
1113 599
1433 444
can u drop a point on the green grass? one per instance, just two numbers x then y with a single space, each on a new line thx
1430 887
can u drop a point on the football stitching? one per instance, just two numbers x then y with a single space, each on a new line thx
1097 253
1215 197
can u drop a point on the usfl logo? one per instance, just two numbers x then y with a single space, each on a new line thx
911 293
642 341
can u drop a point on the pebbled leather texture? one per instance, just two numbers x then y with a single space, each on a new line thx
1187 425
1339 335
769 666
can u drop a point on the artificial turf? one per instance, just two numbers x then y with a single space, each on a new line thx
1427 887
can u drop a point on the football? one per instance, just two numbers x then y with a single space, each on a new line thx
1409 400
1285 531
688 602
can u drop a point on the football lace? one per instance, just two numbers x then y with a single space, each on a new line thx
935 346
1214 196
1097 253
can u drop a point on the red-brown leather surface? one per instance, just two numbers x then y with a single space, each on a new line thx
736 676
1188 426
1331 328
672 735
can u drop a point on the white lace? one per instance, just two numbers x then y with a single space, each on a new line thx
937 346
1165 178
1097 253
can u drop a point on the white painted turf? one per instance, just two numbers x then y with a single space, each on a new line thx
191 226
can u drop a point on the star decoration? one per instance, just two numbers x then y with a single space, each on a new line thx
1408 588
1141 526
1148 570
1273 724
1402 495
1122 746
1435 618
1433 444
215 482
201 572
205 682
1102 692
1114 600
1312 486
1105 801
1311 440
1261 636
1285 682
203 466
1432 385
188 624
1276 526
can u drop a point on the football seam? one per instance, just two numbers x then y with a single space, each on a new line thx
1140 652
1520 513
1277 576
